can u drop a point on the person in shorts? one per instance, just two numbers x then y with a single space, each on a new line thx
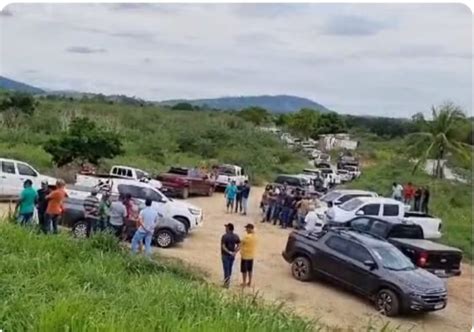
247 255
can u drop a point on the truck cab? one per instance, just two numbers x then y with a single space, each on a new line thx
227 173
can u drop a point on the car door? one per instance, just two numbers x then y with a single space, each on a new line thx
361 277
26 172
333 261
361 224
11 183
391 211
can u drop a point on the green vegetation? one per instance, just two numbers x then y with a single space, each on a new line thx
56 283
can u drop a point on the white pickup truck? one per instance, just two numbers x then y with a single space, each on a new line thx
117 172
388 209
189 215
227 173
14 172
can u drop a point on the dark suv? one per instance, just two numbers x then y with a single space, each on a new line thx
367 265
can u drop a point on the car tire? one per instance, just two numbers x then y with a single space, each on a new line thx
387 302
79 230
164 238
185 222
185 193
301 269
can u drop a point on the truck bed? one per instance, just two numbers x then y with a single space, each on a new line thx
426 245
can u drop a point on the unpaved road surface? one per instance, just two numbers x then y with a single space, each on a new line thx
273 280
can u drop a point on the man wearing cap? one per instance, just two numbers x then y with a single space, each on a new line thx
230 245
247 254
91 210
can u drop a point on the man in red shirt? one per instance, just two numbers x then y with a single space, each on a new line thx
409 193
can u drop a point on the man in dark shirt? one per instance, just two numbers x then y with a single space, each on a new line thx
42 205
245 197
230 245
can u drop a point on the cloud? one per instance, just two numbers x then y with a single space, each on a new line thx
349 25
267 10
85 50
133 35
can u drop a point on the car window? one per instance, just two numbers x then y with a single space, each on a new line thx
391 258
390 210
330 196
351 205
371 209
141 175
379 228
26 170
346 198
338 244
129 173
362 224
358 252
140 192
115 171
406 232
8 167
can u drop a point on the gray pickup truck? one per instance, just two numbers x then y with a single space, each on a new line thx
167 233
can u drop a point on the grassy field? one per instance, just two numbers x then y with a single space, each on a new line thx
451 201
55 283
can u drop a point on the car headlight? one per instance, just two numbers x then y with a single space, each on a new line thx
194 211
181 227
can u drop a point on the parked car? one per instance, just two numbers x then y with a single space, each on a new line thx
117 172
13 173
227 173
168 231
353 170
292 181
340 196
386 208
183 181
344 175
439 259
366 265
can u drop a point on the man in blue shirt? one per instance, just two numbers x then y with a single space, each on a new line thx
147 222
245 197
230 194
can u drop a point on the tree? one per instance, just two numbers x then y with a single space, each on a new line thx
21 103
329 123
256 115
304 122
183 107
439 137
84 141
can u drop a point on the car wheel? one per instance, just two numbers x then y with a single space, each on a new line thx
387 303
79 230
301 269
185 193
164 238
185 222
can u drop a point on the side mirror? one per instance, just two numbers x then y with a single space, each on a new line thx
360 213
370 264
336 202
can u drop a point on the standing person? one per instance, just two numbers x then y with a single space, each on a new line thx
117 216
230 246
42 205
302 210
425 200
247 255
230 193
55 206
417 203
26 203
409 194
104 210
91 210
238 199
245 193
330 213
397 191
286 210
264 201
147 222
131 219
271 204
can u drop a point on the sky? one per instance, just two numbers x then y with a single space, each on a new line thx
366 59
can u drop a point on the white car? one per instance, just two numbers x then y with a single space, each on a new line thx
228 173
13 173
389 209
345 175
340 196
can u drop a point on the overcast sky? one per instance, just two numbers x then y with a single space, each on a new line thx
383 59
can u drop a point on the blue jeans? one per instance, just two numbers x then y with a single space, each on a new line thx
52 223
138 238
227 263
286 215
25 218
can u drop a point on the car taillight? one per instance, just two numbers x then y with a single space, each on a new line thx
422 259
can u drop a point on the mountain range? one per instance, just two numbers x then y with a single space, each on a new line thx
276 104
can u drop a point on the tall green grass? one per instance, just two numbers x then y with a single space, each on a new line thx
56 283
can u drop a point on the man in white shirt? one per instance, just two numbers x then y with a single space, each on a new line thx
397 191
147 222
330 214
312 222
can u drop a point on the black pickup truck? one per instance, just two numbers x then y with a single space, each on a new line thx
437 258
367 265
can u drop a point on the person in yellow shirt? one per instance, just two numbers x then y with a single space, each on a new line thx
247 255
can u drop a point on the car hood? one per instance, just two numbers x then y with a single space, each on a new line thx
185 205
419 280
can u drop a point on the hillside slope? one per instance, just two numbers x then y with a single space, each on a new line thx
276 104
12 85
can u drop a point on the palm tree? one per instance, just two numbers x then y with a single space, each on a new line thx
438 137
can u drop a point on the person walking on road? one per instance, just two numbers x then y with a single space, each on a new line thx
245 193
147 221
230 246
42 205
55 206
26 203
247 255
230 193
91 210
238 199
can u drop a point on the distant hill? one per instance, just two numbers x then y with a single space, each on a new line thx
8 84
276 104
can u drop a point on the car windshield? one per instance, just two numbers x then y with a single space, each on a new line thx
330 196
226 170
392 259
141 174
351 205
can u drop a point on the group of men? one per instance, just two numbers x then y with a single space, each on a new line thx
417 198
48 204
237 197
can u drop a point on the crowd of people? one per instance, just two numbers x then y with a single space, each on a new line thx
237 197
418 198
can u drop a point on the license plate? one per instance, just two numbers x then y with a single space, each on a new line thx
439 305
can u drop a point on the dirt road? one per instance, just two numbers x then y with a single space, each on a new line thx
332 306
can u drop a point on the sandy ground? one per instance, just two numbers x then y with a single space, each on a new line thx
318 300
